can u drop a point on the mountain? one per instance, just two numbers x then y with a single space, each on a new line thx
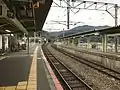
78 29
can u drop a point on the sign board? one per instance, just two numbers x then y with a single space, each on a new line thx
42 1
37 4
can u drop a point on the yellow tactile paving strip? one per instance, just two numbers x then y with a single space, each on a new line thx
33 73
31 84
22 85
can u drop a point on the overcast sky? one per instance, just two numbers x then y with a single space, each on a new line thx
86 17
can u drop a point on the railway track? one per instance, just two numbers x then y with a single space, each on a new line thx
71 80
91 64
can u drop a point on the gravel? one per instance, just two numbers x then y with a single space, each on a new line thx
94 78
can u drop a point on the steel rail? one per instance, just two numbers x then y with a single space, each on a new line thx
72 81
91 64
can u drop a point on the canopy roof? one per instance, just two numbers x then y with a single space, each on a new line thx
23 15
112 30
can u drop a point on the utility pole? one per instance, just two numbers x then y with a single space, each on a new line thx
116 14
116 19
68 14
28 44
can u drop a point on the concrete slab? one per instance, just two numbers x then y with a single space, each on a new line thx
42 81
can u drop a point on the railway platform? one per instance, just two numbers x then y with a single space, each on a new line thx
23 71
108 60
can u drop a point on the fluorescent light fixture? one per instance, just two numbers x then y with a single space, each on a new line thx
7 30
82 35
96 33
12 35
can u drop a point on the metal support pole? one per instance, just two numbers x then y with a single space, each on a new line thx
70 41
34 37
67 41
116 17
63 36
88 42
104 43
73 42
68 14
3 44
78 41
40 37
10 43
116 43
28 44
116 14
33 9
63 33
24 37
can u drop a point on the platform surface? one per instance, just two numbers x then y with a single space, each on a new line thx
42 80
23 71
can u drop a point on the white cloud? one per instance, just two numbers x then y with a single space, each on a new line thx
89 17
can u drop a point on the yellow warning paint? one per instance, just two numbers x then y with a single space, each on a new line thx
24 83
2 88
10 88
32 76
31 83
21 88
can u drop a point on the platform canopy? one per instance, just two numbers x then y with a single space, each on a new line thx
8 24
109 31
23 15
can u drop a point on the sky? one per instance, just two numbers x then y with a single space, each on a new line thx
85 17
